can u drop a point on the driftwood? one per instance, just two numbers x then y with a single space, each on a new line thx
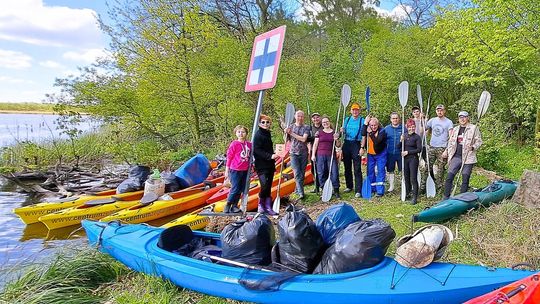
528 191
64 181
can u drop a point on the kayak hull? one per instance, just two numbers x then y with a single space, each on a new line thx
387 282
524 291
454 206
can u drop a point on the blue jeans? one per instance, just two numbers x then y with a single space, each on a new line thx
377 182
238 182
299 163
323 168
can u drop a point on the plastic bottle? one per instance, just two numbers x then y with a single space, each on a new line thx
154 184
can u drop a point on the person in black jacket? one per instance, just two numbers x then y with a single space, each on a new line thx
376 153
412 146
265 163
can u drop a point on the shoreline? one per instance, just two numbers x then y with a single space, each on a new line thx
27 112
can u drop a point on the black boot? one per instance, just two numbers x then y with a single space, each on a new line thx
336 192
414 199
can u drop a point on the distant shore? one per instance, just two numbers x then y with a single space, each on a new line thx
26 108
26 112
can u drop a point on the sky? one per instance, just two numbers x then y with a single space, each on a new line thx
41 40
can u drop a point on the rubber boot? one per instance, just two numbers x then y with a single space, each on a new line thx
391 181
227 208
268 206
234 208
336 193
260 207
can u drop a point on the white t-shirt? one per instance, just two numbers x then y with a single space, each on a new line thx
440 129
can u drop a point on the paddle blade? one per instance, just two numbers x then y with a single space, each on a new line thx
327 191
419 178
276 204
419 94
368 94
366 188
289 113
345 95
483 103
403 92
430 186
403 194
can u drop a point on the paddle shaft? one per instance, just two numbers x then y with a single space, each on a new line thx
253 131
235 263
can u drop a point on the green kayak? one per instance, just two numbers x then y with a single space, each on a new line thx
461 203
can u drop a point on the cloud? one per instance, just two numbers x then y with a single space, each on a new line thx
14 60
86 56
398 13
51 64
12 80
31 21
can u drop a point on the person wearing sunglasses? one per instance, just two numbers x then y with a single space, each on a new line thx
265 163
376 153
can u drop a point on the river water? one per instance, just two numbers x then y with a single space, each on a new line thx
22 245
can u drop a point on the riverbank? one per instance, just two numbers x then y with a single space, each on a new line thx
26 108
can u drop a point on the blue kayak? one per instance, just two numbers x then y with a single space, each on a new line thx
387 282
461 203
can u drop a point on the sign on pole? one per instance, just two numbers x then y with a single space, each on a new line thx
265 58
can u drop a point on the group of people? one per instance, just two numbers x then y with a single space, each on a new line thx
398 146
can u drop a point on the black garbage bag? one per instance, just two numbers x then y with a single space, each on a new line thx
334 219
135 181
172 183
300 242
361 245
249 242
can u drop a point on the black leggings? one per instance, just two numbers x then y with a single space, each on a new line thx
266 176
410 172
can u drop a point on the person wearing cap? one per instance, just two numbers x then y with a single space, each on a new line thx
412 146
352 149
440 128
393 147
314 127
461 151
298 133
376 153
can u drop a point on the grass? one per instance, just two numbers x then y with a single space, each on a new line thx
500 236
26 107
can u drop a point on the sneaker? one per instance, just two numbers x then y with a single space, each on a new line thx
357 195
347 190
379 195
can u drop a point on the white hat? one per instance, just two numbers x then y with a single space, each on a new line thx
463 113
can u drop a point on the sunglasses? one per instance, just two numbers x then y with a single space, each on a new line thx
265 122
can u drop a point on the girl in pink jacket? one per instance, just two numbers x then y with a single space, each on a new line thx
237 167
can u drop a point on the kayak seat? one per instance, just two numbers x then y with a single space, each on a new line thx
466 197
174 237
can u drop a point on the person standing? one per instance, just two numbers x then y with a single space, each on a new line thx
393 147
316 126
237 167
440 128
376 154
322 155
462 147
265 163
418 118
352 131
298 134
412 146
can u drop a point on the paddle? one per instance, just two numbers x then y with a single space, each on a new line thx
327 188
420 102
403 92
483 105
431 191
366 184
289 116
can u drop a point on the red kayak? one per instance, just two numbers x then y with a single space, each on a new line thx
525 291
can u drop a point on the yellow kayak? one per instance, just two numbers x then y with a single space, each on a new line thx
196 221
141 213
97 209
30 214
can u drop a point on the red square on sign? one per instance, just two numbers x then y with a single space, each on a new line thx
265 58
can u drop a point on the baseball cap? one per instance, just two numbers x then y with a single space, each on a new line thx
315 114
355 106
463 113
440 106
